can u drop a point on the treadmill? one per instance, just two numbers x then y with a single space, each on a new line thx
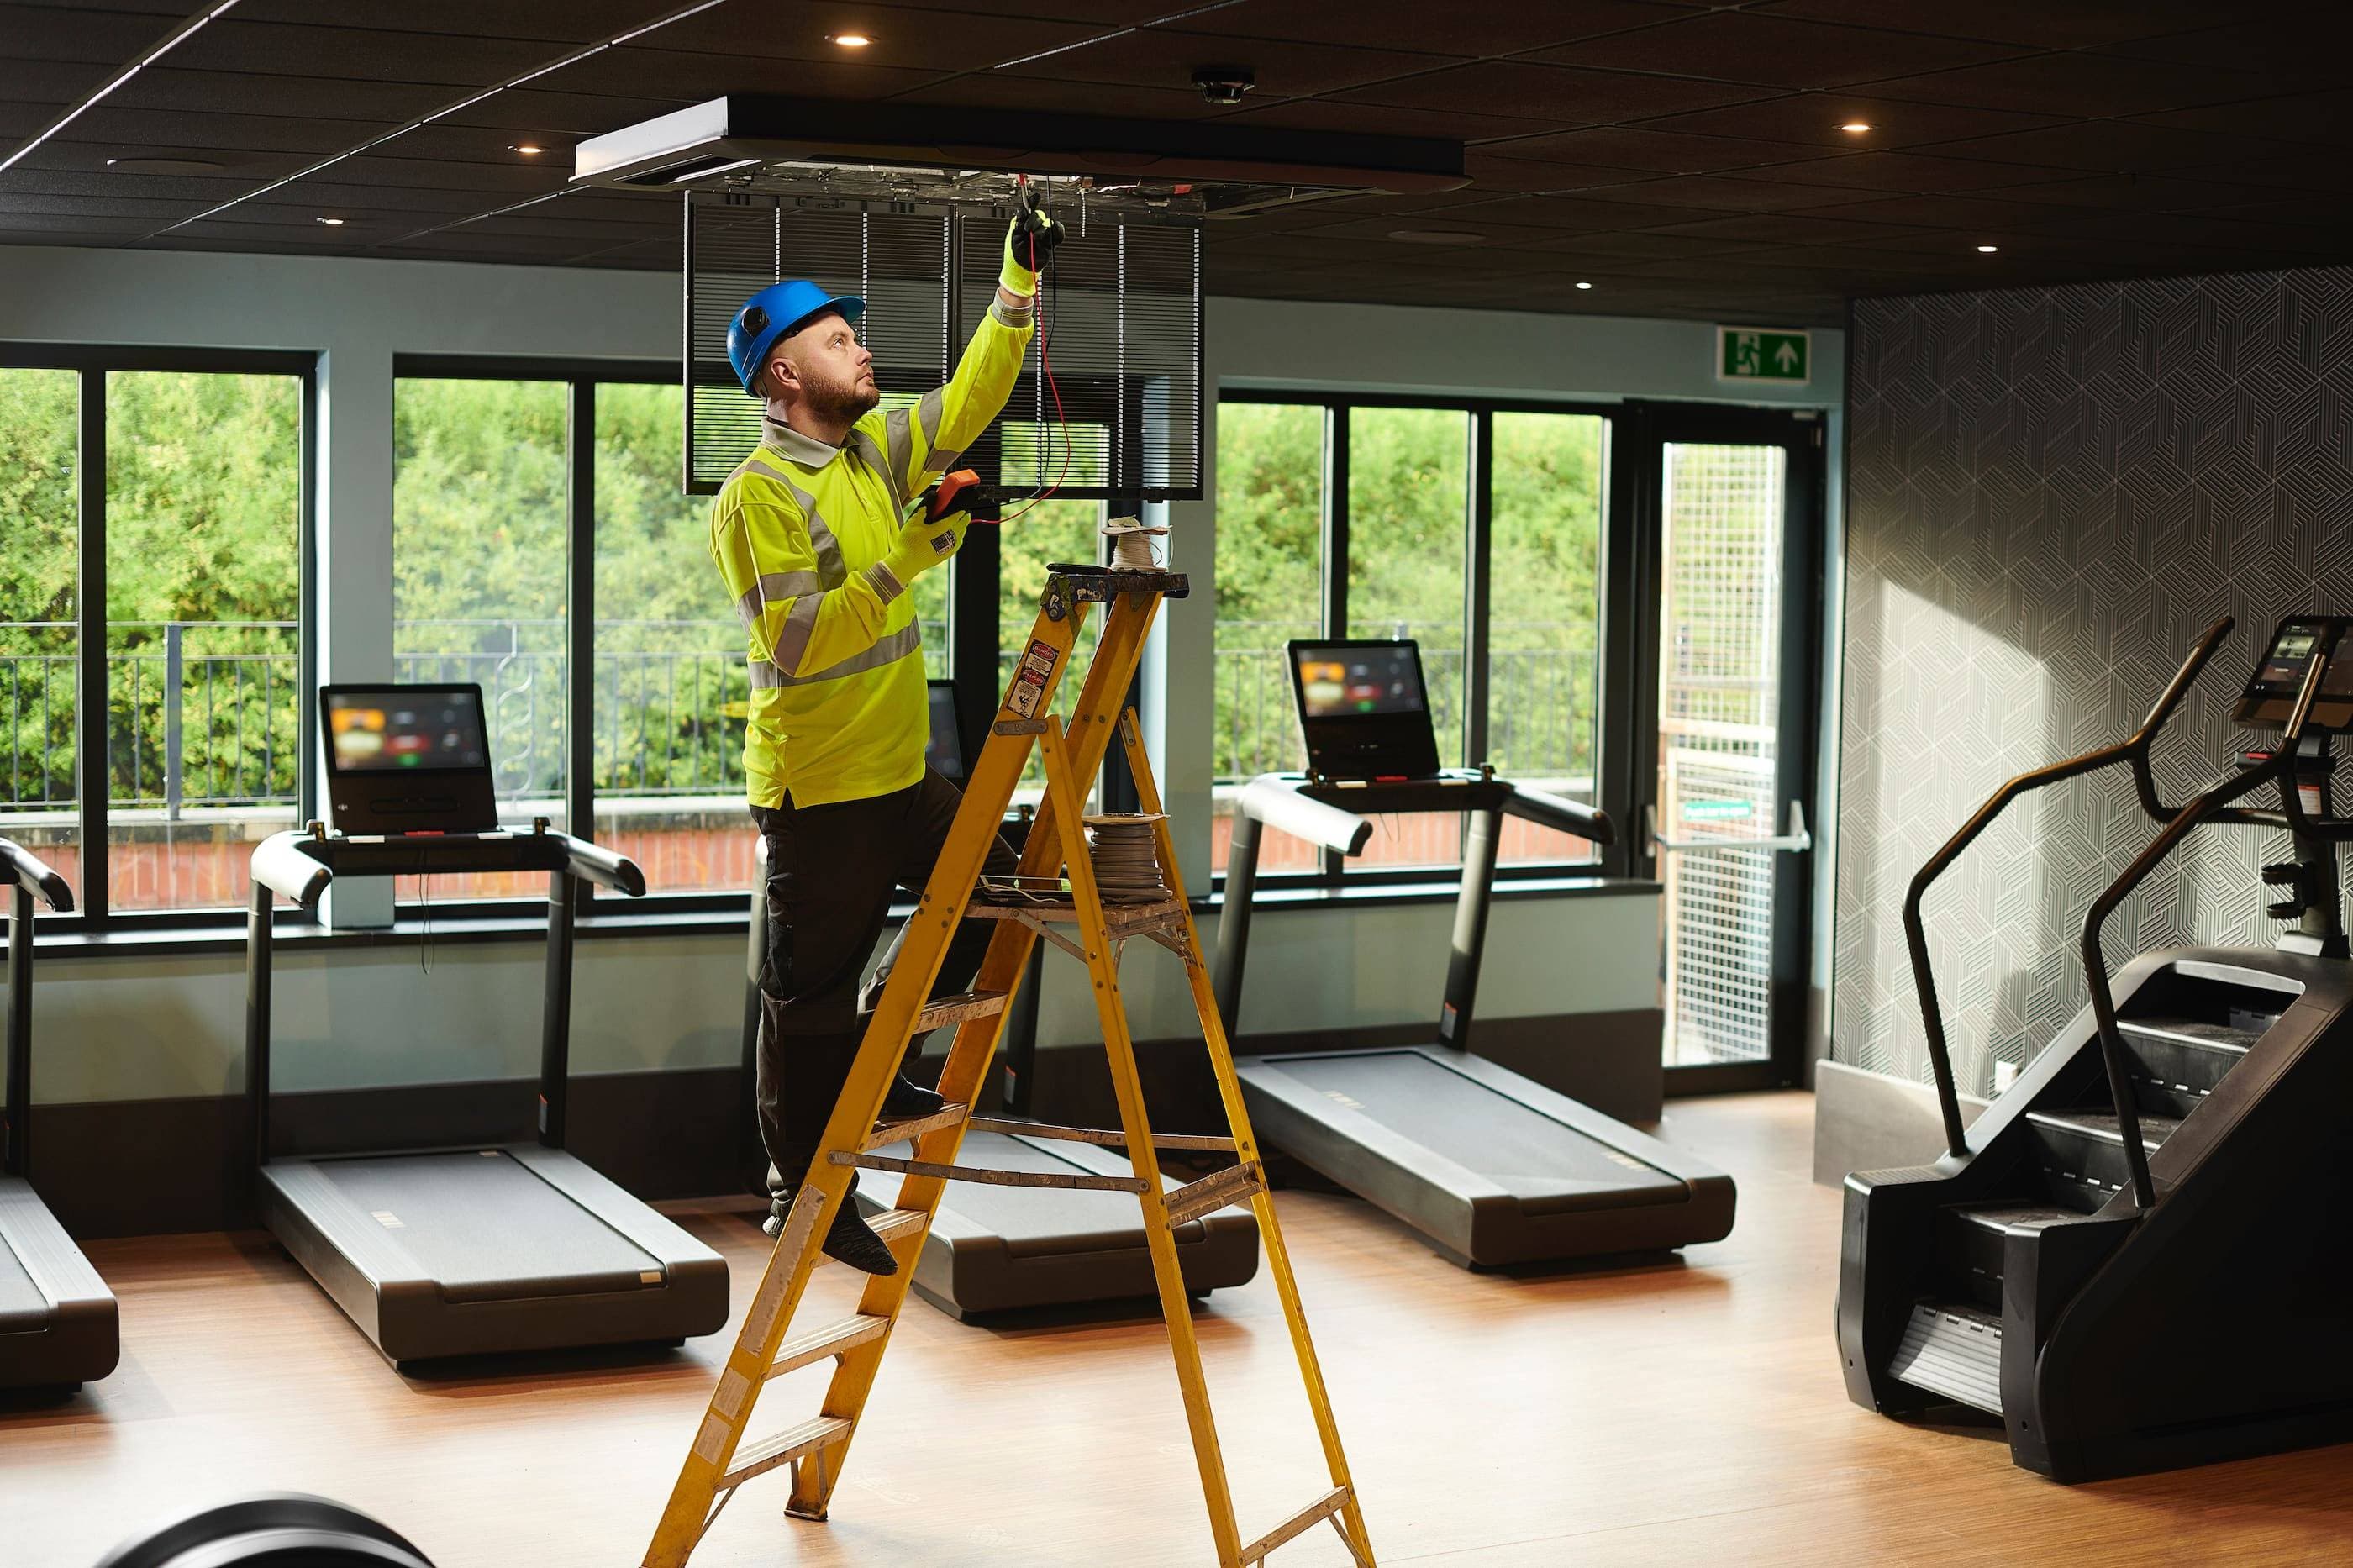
998 1249
1491 1167
444 1252
57 1319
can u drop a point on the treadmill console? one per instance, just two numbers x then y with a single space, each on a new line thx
2271 692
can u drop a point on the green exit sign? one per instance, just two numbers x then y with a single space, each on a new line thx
1762 353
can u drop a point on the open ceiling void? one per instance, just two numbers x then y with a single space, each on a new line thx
1680 159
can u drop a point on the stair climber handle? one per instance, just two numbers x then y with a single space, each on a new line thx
2132 751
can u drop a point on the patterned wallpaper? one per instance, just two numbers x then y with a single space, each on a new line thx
2051 492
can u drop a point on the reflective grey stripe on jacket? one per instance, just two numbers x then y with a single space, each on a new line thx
863 445
889 650
770 587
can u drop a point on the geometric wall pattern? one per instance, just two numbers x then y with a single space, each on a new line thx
2051 492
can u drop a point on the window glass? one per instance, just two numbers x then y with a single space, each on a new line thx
39 565
1409 532
1544 616
1271 507
479 559
670 689
203 603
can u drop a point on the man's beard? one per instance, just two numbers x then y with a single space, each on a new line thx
838 403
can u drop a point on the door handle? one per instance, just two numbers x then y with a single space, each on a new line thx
1795 841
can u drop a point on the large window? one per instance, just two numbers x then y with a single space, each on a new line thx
151 608
541 548
1473 529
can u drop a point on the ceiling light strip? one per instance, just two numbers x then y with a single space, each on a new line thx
442 113
185 31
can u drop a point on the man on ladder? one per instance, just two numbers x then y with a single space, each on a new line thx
811 533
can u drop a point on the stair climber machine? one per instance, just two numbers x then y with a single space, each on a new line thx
1491 1167
2136 1256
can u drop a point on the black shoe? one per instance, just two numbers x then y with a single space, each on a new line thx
906 1102
851 1240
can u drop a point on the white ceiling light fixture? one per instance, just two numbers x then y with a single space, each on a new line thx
848 41
332 221
1585 285
1988 250
177 36
1855 127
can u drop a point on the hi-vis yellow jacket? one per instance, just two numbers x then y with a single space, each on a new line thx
838 705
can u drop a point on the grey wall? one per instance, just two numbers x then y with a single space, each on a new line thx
2050 493
120 1027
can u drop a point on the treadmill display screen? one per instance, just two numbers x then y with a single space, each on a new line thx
1342 682
401 729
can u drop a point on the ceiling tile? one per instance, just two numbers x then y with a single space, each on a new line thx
1556 93
1472 29
1334 114
905 40
2046 24
2085 85
387 103
564 21
2325 117
2313 49
1966 213
632 72
1815 118
52 83
1489 173
1788 229
1725 193
1002 90
1642 147
360 55
91 34
2120 146
1911 173
1166 58
1743 47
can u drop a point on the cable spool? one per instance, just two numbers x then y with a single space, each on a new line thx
1132 549
1125 849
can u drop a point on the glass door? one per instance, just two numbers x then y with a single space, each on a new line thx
1727 524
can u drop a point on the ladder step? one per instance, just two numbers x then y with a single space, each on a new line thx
913 1127
982 1173
957 1008
1299 1524
783 1448
830 1340
892 1224
1234 1183
1120 921
1107 1137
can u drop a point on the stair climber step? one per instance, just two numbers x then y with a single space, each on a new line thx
2083 1152
2175 1063
1971 1242
1953 1349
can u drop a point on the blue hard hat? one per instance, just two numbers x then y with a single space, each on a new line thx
777 312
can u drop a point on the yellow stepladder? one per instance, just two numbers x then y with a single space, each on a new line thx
1079 922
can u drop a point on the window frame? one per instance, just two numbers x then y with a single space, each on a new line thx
1479 518
91 363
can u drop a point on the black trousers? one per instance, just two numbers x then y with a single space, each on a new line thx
831 871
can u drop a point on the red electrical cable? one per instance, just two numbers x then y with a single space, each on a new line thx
1046 366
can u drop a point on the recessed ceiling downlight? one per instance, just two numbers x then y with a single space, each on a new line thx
1437 236
165 165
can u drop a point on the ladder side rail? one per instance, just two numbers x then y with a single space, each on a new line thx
1127 1088
995 775
1222 1060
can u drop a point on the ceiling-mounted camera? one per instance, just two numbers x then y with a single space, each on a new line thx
1225 84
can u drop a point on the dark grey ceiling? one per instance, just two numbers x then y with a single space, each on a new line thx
1683 159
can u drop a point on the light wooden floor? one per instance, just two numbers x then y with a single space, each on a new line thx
1681 1414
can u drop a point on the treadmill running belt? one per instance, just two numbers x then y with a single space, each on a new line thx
1548 1167
23 1308
1041 1221
485 1228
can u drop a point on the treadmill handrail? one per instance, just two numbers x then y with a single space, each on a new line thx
2133 750
1275 800
286 863
1560 814
31 874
